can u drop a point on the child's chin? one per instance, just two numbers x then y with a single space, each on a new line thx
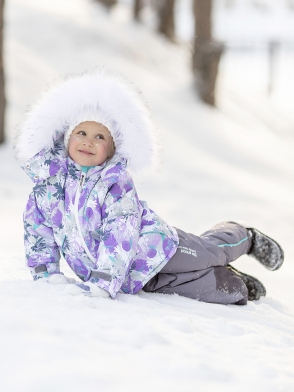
88 162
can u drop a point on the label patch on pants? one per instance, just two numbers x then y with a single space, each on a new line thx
188 251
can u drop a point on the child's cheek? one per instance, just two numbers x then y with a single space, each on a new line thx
75 142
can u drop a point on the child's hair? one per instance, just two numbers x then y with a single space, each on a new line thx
101 97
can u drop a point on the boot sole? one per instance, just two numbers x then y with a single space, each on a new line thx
271 242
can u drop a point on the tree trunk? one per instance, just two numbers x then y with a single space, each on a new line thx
108 3
2 91
166 18
138 5
207 52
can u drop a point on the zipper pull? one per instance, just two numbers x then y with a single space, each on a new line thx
82 181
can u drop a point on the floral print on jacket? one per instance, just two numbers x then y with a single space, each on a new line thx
95 220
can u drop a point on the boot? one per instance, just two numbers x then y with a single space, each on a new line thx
266 250
255 288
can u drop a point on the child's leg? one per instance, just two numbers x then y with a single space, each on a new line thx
198 269
216 247
214 285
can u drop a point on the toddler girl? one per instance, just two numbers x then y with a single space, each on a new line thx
76 145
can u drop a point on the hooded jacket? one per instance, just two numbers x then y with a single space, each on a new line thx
92 216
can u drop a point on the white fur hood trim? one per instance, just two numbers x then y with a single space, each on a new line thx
101 97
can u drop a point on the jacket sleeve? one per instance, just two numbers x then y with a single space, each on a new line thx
42 254
119 235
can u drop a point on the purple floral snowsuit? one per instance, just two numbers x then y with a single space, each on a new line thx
95 220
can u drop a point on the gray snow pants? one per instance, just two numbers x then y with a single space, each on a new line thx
198 268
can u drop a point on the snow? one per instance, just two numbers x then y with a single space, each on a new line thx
231 163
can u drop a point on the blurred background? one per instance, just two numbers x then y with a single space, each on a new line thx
219 79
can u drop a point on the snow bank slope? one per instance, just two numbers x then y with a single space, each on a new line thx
214 168
145 342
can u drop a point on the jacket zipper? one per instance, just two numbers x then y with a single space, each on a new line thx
76 214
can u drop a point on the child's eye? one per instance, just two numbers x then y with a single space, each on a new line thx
83 133
99 137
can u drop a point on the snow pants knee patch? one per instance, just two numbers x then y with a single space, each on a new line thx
230 285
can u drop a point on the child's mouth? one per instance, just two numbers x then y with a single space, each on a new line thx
85 152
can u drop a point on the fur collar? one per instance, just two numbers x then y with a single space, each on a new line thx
102 97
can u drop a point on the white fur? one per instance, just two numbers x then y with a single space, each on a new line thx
99 97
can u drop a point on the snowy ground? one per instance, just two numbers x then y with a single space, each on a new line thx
217 165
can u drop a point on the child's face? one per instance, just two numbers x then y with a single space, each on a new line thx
90 144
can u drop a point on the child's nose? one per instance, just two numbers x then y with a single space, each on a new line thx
88 141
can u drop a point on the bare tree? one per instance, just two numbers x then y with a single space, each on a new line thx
2 91
138 5
108 3
207 51
166 17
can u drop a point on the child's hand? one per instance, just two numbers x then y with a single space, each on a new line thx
88 289
59 279
54 278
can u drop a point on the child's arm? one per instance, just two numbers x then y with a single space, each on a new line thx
119 233
42 254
